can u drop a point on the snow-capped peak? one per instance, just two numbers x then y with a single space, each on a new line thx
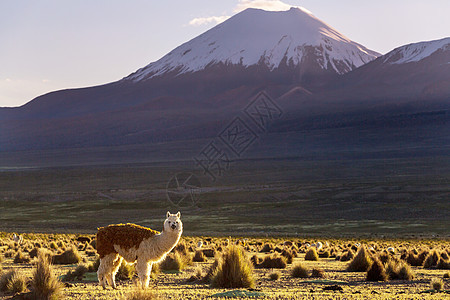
417 51
255 36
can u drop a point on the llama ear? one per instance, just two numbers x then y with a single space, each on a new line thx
178 214
168 214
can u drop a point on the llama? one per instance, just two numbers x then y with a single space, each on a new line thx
17 238
135 243
318 245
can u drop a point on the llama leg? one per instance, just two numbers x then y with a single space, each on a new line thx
143 269
116 266
105 268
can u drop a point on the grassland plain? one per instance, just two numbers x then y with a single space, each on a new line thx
275 197
180 285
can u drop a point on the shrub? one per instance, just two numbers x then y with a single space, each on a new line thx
126 271
399 270
324 254
17 283
199 256
361 262
76 274
437 284
274 276
174 261
6 278
208 252
348 255
404 271
421 257
413 259
34 252
181 248
198 275
288 255
267 248
20 258
311 254
384 257
299 271
44 284
234 271
212 270
431 260
376 272
68 257
443 264
255 260
318 273
274 261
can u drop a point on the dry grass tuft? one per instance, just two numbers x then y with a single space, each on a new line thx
274 276
267 248
274 261
361 262
431 260
399 270
311 254
376 272
17 283
348 255
318 273
299 271
45 285
175 261
21 258
437 284
12 281
234 271
199 256
68 257
443 264
76 274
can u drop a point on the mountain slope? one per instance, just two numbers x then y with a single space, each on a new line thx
190 102
262 37
414 71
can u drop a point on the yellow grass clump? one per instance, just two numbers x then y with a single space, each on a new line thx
234 271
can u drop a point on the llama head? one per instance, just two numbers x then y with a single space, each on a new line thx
173 223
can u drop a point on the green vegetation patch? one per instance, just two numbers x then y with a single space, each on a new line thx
239 294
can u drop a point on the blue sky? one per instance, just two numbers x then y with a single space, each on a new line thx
49 45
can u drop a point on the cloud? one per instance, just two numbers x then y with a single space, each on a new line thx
207 20
272 5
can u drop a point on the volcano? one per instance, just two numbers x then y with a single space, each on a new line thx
320 79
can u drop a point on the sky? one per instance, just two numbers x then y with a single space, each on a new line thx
48 45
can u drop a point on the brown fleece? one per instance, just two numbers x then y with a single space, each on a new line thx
124 235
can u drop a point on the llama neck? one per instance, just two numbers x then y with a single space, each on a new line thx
167 240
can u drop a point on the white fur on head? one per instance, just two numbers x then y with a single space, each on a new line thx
173 223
